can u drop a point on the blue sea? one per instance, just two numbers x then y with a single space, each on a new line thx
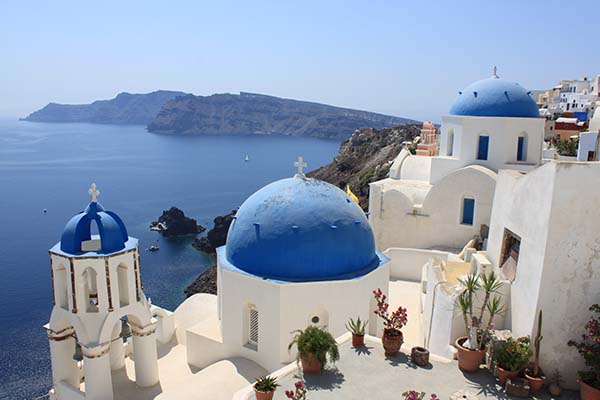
139 174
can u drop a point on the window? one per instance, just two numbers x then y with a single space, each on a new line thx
90 287
61 282
253 326
123 280
522 148
450 144
482 147
511 245
468 211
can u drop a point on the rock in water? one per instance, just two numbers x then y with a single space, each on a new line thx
217 236
206 282
174 222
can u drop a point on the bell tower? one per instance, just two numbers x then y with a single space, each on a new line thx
98 304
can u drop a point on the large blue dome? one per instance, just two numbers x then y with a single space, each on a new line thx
495 97
112 234
301 229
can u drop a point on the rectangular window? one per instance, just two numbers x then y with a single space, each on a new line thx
482 148
511 247
468 210
520 148
253 326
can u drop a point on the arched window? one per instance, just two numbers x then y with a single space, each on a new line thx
123 282
90 289
468 211
61 283
252 326
450 143
522 147
482 147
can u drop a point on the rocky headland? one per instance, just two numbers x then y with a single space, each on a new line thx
173 222
215 237
125 109
249 113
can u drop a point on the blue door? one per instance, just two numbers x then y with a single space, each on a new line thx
468 211
482 149
520 149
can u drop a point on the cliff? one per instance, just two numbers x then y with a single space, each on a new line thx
126 108
215 237
366 157
247 113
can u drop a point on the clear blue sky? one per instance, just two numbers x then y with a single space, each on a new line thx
395 57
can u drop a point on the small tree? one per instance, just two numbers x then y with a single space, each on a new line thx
589 348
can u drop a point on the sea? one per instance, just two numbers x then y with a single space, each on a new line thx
139 174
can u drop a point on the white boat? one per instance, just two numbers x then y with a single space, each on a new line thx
247 158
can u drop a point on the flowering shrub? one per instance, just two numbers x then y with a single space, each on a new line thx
414 395
392 323
513 354
589 348
298 394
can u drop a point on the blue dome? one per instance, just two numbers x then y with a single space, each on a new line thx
301 229
111 230
495 97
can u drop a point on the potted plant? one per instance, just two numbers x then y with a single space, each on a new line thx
554 387
471 348
511 357
264 387
535 376
358 331
299 392
392 324
314 345
414 395
589 348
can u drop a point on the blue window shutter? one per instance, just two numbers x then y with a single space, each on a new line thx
482 150
468 211
520 145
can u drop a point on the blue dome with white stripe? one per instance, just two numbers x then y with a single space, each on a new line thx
495 97
301 229
112 234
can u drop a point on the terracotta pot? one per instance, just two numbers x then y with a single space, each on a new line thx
588 392
392 344
310 364
468 360
358 340
420 356
504 374
535 384
264 395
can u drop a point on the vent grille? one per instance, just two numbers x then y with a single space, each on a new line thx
253 328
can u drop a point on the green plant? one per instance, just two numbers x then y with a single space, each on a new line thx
537 341
567 147
492 303
316 341
266 384
357 327
589 348
513 354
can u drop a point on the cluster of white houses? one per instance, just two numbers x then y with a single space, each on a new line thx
301 252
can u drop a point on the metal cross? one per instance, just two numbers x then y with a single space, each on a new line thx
300 164
94 193
494 74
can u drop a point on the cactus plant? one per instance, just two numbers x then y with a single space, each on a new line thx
536 345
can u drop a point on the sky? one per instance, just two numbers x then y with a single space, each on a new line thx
400 58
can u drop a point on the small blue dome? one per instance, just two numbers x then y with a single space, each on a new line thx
301 229
111 229
495 97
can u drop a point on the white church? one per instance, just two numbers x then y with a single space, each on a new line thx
301 252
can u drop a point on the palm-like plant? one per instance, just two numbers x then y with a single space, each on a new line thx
357 327
266 384
492 303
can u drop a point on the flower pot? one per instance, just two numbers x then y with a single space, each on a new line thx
554 389
264 395
535 384
310 364
504 374
588 392
468 360
392 343
420 356
358 340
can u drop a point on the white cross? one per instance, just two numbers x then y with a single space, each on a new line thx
494 74
300 164
94 193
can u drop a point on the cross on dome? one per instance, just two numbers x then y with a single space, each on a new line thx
494 73
94 192
301 165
